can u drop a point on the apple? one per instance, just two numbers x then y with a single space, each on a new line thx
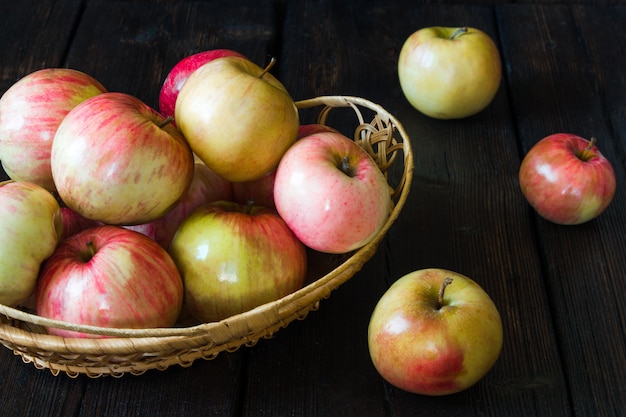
30 113
179 74
566 179
331 193
235 257
30 229
206 186
237 118
116 160
434 332
449 72
311 128
111 277
74 222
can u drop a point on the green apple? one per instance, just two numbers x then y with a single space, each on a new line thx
30 229
434 332
448 72
235 257
237 117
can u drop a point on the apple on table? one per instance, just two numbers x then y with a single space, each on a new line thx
108 276
237 117
331 193
31 226
116 160
449 72
434 332
566 179
235 257
31 110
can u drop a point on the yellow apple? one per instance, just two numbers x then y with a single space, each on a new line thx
30 229
237 117
235 257
448 72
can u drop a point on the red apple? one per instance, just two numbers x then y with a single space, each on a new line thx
116 160
449 72
206 186
179 74
74 222
30 113
236 257
331 193
109 277
566 179
237 117
311 128
434 332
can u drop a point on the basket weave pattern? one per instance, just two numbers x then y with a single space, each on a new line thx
137 350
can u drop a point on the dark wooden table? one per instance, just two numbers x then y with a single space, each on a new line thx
560 290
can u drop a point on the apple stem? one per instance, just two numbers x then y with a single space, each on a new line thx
166 122
459 32
345 166
586 153
91 251
444 284
269 66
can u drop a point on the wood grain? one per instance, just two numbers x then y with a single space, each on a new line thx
583 265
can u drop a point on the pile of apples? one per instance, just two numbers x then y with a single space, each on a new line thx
119 215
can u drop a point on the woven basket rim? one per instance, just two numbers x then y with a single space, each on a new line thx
228 334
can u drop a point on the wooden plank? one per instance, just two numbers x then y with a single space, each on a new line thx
27 391
464 197
34 36
210 388
566 84
604 329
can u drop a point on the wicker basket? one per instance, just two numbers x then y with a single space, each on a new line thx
137 350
